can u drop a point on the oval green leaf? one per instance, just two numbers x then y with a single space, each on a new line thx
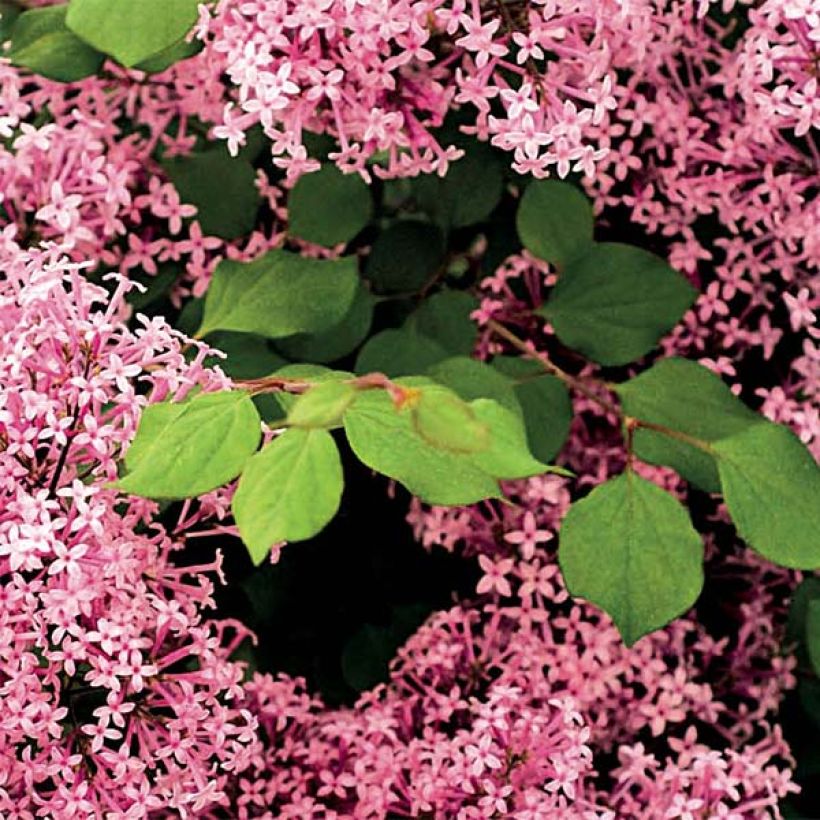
279 294
771 485
442 419
328 207
555 221
615 302
222 187
187 448
630 548
289 491
323 405
42 43
131 32
688 398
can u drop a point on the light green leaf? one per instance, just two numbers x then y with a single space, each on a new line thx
442 419
472 379
187 448
279 294
322 406
686 397
771 485
289 491
555 221
384 439
398 353
222 187
328 207
128 31
444 317
508 456
337 341
614 302
405 257
545 402
312 373
630 548
41 42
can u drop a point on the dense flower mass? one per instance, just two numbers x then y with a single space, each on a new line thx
121 697
118 695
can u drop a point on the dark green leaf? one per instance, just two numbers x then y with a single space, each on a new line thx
615 302
686 397
630 548
222 187
328 207
248 356
555 221
289 491
771 485
279 294
132 32
545 402
155 286
399 353
187 448
338 341
813 634
445 318
472 379
172 55
469 191
405 257
41 42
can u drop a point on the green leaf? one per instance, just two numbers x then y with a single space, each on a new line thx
322 406
9 12
222 187
555 221
469 191
472 379
328 207
384 439
442 419
289 491
686 397
41 42
128 31
399 353
172 55
545 402
771 485
813 634
337 341
248 356
615 302
279 294
630 548
444 317
797 625
508 456
405 257
187 448
313 373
